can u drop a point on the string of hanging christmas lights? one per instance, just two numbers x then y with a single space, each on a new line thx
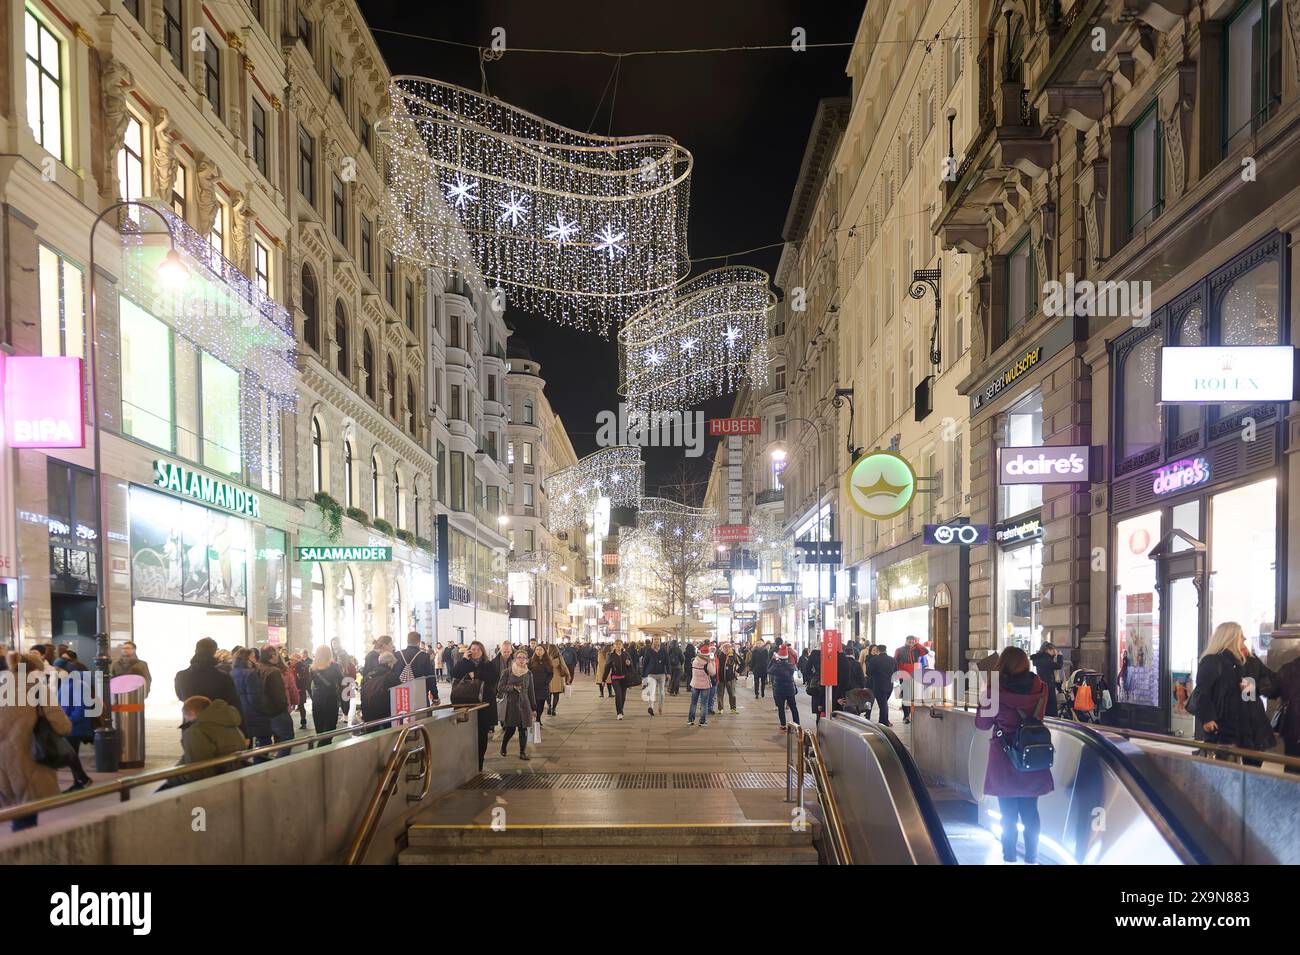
535 562
699 343
676 525
584 228
616 473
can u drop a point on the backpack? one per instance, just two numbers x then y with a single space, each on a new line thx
408 674
1031 748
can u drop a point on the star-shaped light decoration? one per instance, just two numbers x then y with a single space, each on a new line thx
514 209
562 231
610 241
688 345
732 334
654 357
461 191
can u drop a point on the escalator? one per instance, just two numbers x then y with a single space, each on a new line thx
1104 809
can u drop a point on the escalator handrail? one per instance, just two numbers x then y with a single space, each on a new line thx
1176 834
920 792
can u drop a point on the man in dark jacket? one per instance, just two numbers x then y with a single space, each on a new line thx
758 661
421 665
203 678
383 644
654 665
274 697
781 669
676 660
880 674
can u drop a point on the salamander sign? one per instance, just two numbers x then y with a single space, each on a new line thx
206 490
329 554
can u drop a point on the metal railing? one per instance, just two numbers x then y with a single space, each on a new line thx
837 841
124 786
397 760
1203 748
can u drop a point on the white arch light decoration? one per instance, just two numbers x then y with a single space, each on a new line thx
704 340
585 228
617 473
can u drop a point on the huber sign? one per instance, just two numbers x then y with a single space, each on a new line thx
1046 464
1204 374
733 426
42 401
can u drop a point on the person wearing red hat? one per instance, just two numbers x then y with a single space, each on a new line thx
702 670
781 670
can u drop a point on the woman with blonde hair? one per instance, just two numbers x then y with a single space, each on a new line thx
1226 698
326 691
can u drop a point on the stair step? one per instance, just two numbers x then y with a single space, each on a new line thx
609 855
601 836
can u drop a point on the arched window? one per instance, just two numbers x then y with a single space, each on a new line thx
376 489
341 339
399 495
1142 420
317 457
410 405
349 496
415 519
310 309
390 382
368 364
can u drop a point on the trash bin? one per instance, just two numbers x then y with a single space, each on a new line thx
127 692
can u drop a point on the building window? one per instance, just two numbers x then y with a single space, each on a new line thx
527 449
510 453
317 457
341 338
132 7
365 133
1140 426
778 379
528 412
336 84
1145 170
368 364
349 471
1022 303
174 32
259 136
310 310
62 305
217 237
262 267
212 72
458 480
410 304
147 373
399 496
304 30
410 406
454 410
442 473
220 410
340 207
390 384
376 487
179 205
306 164
390 278
130 162
44 84
367 250
1252 70
528 495
1022 428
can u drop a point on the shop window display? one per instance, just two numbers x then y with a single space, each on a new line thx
1243 560
185 553
1137 610
1020 580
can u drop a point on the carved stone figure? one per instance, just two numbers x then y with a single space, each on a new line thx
240 223
114 83
207 177
164 155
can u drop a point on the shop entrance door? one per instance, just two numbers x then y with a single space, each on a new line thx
1180 575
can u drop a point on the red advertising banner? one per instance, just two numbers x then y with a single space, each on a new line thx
830 648
733 533
731 426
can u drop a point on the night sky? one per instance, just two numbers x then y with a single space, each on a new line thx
744 115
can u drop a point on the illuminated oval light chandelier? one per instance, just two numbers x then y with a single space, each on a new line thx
572 493
700 342
679 528
584 228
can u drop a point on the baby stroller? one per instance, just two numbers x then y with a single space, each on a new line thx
1085 697
859 702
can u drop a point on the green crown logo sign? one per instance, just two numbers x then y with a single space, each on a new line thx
881 484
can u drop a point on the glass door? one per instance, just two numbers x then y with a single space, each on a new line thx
1184 629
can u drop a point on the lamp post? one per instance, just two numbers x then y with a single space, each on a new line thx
172 272
778 454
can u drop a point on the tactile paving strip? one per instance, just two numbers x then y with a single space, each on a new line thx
752 780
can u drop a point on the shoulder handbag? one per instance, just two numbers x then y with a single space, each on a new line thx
48 747
467 691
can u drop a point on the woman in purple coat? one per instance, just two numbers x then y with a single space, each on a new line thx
1019 691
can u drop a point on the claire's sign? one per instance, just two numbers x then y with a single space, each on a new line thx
1045 464
1180 475
214 492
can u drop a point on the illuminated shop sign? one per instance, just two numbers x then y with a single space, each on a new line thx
41 402
1180 475
1203 374
1046 464
328 554
1057 337
206 490
961 535
776 589
1023 530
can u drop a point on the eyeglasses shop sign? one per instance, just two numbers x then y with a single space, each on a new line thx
1045 464
1202 373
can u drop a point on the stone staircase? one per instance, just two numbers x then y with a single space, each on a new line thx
749 843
